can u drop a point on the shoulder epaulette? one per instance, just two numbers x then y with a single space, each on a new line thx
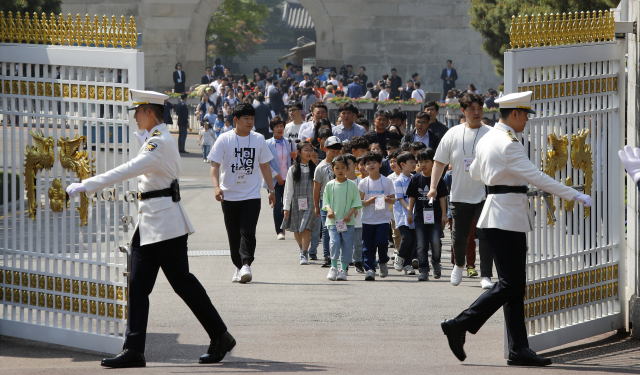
157 132
512 137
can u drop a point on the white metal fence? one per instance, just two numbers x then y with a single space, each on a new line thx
61 274
575 263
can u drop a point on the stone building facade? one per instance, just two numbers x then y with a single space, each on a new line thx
410 35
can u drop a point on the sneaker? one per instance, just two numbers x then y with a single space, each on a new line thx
384 270
204 160
485 283
408 270
236 276
303 260
415 264
313 257
456 276
333 274
424 276
342 275
358 267
471 272
398 264
351 264
327 262
371 276
245 274
281 236
437 272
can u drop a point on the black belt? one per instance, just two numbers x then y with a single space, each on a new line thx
505 189
154 194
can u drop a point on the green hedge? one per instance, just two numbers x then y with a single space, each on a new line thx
10 196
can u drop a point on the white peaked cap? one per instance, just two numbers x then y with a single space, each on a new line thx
140 97
520 100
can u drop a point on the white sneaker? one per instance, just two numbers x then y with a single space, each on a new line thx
384 270
398 264
333 274
408 270
236 277
485 283
342 275
304 260
245 274
456 276
281 236
370 275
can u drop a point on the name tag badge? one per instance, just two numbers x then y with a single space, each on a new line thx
179 80
241 176
467 163
341 226
380 202
302 204
429 216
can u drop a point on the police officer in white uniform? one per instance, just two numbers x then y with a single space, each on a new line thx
502 164
160 238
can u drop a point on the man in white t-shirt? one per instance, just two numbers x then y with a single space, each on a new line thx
292 129
235 159
384 93
319 111
418 93
458 147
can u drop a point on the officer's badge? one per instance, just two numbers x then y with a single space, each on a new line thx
151 146
512 137
157 132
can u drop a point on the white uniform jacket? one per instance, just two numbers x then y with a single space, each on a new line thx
156 166
502 160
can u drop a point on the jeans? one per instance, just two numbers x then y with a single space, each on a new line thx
428 234
341 241
315 239
509 250
241 219
463 215
205 151
407 244
357 245
278 213
182 137
325 232
375 238
452 122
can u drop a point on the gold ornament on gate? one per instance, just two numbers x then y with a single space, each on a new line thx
581 158
57 196
80 163
67 31
556 160
38 157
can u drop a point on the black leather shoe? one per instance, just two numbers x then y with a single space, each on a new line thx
219 348
456 336
126 358
327 262
526 357
359 267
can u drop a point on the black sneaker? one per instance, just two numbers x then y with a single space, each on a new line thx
352 264
415 264
313 257
327 262
359 268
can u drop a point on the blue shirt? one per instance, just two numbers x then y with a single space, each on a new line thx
400 185
354 90
345 134
322 77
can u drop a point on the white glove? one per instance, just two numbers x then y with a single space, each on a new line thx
631 160
75 188
142 138
584 199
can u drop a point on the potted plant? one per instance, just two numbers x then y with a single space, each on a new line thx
388 104
364 104
335 103
411 105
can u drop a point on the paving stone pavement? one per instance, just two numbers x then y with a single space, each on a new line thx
291 319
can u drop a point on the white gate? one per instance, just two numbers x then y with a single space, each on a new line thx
64 118
575 260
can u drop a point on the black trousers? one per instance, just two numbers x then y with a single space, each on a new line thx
241 219
510 254
278 212
182 137
171 256
463 214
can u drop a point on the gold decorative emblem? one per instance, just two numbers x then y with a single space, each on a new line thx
119 94
581 158
57 196
100 92
556 160
40 89
92 92
74 91
83 92
48 89
109 93
38 157
65 90
80 163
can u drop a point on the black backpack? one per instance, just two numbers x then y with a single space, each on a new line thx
218 71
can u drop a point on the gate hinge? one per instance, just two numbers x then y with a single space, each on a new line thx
626 27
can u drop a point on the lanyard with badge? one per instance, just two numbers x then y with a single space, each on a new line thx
379 205
341 226
468 161
302 202
241 174
428 214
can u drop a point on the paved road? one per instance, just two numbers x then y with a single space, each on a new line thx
291 319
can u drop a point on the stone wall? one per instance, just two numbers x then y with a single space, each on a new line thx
410 35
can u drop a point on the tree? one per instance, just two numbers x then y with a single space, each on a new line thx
31 6
273 33
235 28
492 19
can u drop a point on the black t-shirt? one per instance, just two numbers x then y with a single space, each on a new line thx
418 188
